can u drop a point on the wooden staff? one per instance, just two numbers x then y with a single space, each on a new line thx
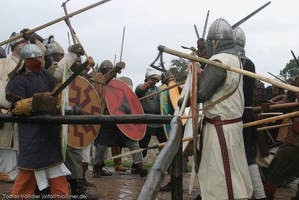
274 106
74 36
180 83
271 119
273 126
54 21
160 145
249 124
227 67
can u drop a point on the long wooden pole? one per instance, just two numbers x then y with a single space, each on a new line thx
160 145
254 123
74 36
282 105
162 48
180 83
54 21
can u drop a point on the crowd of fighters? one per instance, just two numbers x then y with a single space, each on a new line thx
30 154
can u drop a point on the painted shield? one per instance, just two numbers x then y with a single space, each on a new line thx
165 107
121 100
127 81
174 95
98 82
83 93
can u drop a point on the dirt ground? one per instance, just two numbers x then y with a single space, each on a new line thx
126 186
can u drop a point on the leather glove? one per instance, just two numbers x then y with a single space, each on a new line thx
266 107
32 37
119 66
77 49
44 102
155 78
23 107
77 110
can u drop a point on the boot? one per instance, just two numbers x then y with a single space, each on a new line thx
77 188
117 162
141 170
297 195
104 171
96 171
86 182
134 169
4 177
166 188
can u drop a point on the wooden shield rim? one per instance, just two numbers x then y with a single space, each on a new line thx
96 126
126 80
174 95
121 127
164 108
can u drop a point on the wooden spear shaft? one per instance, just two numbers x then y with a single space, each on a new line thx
249 124
273 127
282 105
180 83
74 36
162 48
54 21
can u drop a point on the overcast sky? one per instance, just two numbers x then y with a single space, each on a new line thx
271 34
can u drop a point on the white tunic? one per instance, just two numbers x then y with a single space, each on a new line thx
211 172
8 133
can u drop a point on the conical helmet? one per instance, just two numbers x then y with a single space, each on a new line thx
220 30
239 37
105 67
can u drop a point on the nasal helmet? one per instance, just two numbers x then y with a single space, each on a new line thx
31 51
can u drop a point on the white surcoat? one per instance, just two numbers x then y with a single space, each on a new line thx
211 171
8 133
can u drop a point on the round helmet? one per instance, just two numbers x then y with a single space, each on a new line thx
14 43
2 53
239 37
31 51
105 67
220 37
149 72
220 30
53 46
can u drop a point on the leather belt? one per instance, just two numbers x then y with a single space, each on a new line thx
222 122
225 158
